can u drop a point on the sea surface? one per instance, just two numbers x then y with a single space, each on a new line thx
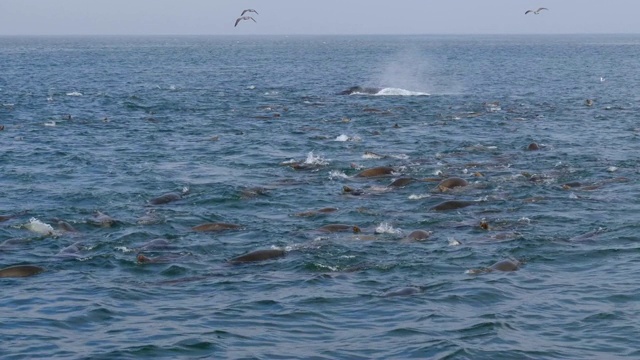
253 132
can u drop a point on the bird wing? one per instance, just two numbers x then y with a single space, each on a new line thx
528 11
254 20
243 11
237 21
543 9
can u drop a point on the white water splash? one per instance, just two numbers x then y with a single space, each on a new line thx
39 227
385 228
453 242
370 155
315 160
74 93
400 156
400 92
418 196
336 174
124 249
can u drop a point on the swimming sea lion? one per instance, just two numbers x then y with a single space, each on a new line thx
142 259
149 218
419 235
72 251
219 226
339 228
169 197
10 243
450 183
402 292
353 191
376 171
533 147
317 212
258 255
401 182
101 219
452 205
165 198
20 271
504 265
65 226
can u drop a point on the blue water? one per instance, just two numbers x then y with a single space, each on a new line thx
255 129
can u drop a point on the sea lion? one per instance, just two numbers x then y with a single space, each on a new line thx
258 255
452 182
452 205
142 259
169 197
149 218
506 265
402 292
419 235
352 191
533 147
326 210
20 271
65 226
376 171
338 228
571 185
165 198
402 182
72 251
10 243
4 218
503 265
219 226
101 219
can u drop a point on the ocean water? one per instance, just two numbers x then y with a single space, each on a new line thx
256 133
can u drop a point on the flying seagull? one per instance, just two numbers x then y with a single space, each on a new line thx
536 12
249 10
244 18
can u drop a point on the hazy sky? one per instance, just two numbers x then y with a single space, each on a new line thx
63 17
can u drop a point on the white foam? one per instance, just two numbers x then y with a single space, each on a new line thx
74 93
418 196
315 160
385 228
400 156
370 155
400 92
39 227
336 174
342 138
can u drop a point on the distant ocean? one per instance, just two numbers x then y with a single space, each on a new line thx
262 136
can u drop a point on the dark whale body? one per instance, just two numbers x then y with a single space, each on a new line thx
360 90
